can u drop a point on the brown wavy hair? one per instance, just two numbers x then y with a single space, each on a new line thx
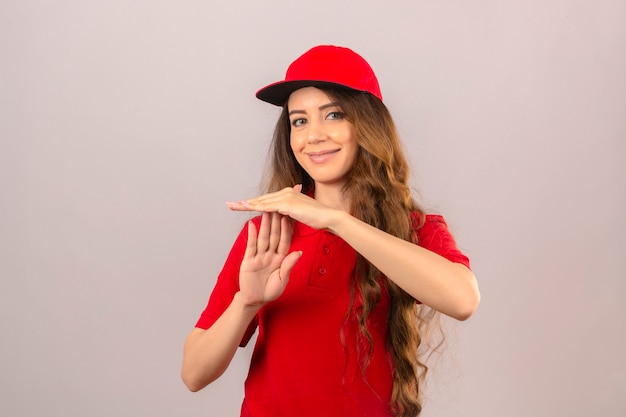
379 194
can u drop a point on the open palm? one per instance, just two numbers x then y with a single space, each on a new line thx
266 264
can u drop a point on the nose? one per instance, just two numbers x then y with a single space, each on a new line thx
316 132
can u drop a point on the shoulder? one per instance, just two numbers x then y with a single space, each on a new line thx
425 222
428 225
432 233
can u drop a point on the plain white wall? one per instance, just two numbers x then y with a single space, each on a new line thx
126 125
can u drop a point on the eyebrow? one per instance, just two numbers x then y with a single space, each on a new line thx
325 106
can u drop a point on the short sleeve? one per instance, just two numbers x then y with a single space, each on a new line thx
435 236
227 286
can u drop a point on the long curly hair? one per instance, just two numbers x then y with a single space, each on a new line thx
379 194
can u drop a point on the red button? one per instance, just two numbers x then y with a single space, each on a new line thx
322 270
326 250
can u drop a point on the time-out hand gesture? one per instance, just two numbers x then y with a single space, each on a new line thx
266 264
290 202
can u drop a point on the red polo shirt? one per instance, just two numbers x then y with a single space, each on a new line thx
300 367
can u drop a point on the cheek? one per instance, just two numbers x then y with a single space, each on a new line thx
296 148
354 150
353 146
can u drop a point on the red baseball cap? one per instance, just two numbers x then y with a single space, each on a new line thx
323 66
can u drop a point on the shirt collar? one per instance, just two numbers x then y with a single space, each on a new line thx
303 230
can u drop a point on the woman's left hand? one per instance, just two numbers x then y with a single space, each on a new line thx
290 202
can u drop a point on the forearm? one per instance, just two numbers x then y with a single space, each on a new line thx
207 353
443 285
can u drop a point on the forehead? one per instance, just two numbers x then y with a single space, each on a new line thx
308 97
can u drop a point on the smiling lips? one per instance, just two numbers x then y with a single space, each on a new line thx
321 156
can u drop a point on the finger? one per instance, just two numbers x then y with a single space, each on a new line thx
266 202
255 204
278 281
298 187
275 233
288 263
239 206
286 231
251 245
263 203
263 239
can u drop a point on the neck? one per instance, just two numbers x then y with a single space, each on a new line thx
332 195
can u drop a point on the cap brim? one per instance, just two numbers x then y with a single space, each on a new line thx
278 93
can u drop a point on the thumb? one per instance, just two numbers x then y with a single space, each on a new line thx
288 263
298 187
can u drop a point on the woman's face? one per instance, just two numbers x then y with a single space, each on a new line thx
321 139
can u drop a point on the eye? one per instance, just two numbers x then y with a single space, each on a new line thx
335 115
298 122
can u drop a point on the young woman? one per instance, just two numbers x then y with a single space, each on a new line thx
343 271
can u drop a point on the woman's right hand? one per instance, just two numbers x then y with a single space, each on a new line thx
263 276
267 263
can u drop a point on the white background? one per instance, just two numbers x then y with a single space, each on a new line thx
126 125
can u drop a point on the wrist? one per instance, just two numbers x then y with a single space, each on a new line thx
338 221
246 305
